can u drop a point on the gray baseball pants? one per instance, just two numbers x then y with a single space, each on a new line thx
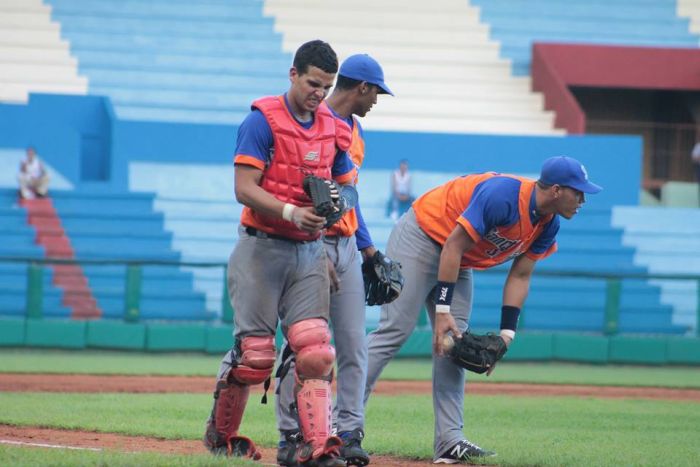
271 280
419 256
347 312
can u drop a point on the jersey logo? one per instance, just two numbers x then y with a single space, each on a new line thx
311 156
501 243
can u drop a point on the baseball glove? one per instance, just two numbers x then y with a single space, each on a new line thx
325 196
477 353
383 279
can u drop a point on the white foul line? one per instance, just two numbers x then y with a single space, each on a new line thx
41 445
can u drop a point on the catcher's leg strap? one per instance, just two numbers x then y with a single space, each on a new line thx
252 367
310 341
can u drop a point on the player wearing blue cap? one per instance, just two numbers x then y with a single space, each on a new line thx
472 222
360 80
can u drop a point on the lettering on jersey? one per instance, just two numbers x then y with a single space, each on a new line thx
501 243
311 156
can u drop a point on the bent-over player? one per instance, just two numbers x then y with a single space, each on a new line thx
472 222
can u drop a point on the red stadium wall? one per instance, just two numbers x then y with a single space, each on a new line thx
556 67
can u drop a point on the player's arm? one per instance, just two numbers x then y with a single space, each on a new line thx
364 239
344 173
515 292
458 243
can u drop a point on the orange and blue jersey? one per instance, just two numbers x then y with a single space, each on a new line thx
255 146
353 222
496 210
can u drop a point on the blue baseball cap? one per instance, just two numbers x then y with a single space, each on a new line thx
362 67
566 171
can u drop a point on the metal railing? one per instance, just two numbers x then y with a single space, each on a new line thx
133 282
133 279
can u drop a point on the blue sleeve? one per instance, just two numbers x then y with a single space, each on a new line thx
343 168
547 238
364 240
255 137
493 203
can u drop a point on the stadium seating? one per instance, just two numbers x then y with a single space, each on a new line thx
668 245
517 24
204 228
33 56
205 62
17 240
175 61
108 226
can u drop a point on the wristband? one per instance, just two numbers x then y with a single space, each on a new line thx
287 211
508 333
443 293
509 317
442 309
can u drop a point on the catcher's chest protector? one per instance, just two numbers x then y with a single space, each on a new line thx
298 151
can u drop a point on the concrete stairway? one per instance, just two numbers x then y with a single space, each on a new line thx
69 277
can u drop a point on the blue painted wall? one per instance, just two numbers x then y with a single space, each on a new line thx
59 125
72 133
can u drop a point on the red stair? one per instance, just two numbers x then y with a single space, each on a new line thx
69 277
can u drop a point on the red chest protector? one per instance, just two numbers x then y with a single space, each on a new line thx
297 152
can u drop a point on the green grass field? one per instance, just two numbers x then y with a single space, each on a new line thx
127 363
523 430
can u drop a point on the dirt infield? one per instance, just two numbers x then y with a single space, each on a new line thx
163 384
34 436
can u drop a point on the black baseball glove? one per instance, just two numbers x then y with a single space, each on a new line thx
383 279
325 196
477 353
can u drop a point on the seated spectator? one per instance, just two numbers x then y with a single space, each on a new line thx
33 178
401 197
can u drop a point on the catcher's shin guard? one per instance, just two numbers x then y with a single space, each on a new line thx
310 341
231 396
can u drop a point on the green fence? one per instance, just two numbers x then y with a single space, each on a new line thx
134 333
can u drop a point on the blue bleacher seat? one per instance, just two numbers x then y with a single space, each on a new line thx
517 24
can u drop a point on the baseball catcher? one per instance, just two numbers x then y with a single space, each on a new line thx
327 199
474 352
383 279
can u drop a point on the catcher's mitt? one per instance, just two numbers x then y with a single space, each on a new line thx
325 196
383 279
477 353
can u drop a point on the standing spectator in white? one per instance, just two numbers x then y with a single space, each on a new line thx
401 198
33 178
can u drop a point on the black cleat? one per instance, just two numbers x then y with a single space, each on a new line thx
463 451
352 450
287 449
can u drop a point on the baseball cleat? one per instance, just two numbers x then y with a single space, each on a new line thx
287 449
351 450
463 451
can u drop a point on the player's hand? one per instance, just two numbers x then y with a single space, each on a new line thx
507 339
444 323
333 276
306 219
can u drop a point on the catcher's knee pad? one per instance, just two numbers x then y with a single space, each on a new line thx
256 360
310 340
